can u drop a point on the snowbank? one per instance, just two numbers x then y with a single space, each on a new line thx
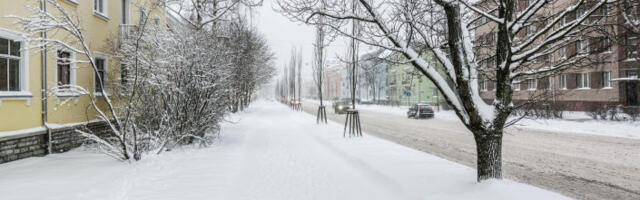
574 122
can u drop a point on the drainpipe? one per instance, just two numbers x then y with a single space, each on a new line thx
43 6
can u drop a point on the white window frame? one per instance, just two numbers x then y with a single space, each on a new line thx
102 13
72 73
549 81
531 29
105 79
633 53
563 81
606 80
23 92
483 85
532 81
583 47
607 45
584 81
495 85
515 85
562 52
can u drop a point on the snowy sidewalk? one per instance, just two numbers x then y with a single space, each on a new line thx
271 153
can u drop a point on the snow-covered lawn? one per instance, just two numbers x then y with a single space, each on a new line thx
574 122
270 153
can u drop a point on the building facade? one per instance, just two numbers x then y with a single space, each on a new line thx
332 83
407 86
372 78
27 71
610 77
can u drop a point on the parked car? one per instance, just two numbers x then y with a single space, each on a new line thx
341 107
420 111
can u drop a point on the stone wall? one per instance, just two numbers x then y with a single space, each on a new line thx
36 143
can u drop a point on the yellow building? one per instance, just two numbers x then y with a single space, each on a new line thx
24 69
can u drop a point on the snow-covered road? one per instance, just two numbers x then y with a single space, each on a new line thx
583 166
270 153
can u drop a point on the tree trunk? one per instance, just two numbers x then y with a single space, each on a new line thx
489 155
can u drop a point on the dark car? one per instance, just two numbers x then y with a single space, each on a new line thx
420 111
341 107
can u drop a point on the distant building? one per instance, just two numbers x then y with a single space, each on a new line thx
407 86
372 78
332 83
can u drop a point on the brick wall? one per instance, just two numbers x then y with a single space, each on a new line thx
36 143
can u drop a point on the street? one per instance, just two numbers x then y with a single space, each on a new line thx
580 166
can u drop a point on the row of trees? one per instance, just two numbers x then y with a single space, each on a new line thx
177 81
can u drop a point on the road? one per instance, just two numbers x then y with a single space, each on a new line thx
579 166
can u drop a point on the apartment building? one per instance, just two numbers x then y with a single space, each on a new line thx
407 86
29 110
607 76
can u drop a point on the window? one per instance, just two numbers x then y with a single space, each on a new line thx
632 47
583 47
100 7
495 85
531 84
562 52
100 74
64 68
546 83
483 86
526 4
12 74
606 79
605 45
515 85
563 81
124 73
604 10
143 14
156 20
583 81
581 11
531 29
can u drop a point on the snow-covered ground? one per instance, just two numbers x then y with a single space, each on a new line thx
270 152
574 122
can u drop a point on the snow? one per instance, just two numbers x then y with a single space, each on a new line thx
573 122
21 132
267 152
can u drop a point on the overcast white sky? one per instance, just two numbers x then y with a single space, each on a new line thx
283 34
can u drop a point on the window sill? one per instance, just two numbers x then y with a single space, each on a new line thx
67 94
72 2
100 15
583 88
606 88
16 95
99 94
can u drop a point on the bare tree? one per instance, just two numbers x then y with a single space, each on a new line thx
445 29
